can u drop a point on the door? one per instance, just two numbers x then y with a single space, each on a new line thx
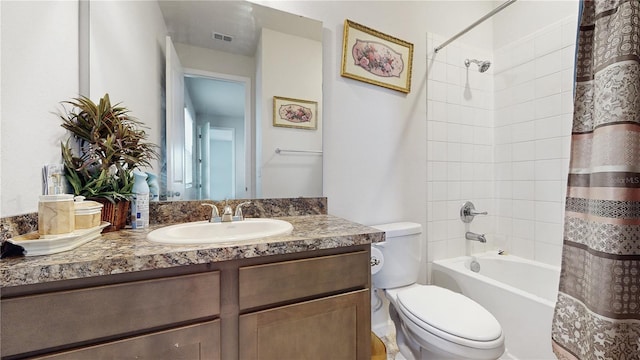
223 159
175 127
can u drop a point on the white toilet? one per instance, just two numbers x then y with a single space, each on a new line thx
431 322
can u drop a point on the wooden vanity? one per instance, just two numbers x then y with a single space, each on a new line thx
300 296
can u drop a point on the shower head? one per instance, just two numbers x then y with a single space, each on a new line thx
482 65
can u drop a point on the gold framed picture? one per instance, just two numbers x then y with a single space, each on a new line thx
376 58
295 113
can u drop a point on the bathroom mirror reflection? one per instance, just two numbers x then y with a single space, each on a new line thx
202 76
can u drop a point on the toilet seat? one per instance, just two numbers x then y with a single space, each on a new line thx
448 315
459 318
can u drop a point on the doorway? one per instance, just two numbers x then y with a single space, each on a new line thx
220 107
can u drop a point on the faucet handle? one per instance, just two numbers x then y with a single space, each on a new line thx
238 215
215 215
468 212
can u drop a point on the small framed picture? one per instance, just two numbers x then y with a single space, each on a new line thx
376 58
295 113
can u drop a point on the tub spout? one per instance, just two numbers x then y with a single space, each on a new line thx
475 237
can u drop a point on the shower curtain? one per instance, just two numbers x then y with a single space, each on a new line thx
597 314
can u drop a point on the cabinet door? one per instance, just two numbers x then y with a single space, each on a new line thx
201 341
336 327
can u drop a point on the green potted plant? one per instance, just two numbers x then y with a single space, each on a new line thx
110 144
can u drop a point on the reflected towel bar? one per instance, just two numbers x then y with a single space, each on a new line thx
280 151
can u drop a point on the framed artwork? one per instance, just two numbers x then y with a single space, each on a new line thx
376 58
295 113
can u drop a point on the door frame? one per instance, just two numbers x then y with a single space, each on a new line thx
249 143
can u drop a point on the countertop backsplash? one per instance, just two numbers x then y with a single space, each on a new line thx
171 212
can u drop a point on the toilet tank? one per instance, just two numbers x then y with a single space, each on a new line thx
401 253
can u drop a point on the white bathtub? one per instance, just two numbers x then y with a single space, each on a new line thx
520 293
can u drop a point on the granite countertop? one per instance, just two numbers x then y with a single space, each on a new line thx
129 250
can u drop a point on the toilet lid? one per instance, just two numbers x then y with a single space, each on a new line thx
450 312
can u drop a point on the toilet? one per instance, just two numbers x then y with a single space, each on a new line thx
431 322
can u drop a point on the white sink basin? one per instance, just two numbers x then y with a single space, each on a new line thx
204 232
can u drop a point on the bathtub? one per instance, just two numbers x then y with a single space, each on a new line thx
520 293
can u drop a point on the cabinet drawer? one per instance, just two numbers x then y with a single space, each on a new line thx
284 281
195 342
44 321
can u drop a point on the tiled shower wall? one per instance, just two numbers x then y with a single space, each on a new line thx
500 139
460 142
533 108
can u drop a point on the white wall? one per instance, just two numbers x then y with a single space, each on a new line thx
39 43
283 74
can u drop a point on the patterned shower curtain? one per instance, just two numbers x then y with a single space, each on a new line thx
597 315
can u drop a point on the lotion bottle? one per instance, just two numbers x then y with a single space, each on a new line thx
140 201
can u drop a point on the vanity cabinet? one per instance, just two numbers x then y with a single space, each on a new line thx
308 305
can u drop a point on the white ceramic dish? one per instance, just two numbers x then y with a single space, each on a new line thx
34 245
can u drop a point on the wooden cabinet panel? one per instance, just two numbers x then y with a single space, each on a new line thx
44 321
195 342
289 280
336 327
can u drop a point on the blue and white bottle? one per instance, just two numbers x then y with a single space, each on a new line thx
140 201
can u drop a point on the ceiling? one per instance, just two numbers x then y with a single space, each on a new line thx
193 22
219 98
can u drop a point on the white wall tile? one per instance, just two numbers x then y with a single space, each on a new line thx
437 71
453 152
438 110
549 254
437 91
524 190
548 64
549 190
523 131
453 132
548 169
547 211
438 130
523 151
548 106
453 75
548 41
548 85
549 233
550 148
550 127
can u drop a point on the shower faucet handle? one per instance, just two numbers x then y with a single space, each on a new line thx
468 212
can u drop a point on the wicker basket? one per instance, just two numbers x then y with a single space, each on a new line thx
115 213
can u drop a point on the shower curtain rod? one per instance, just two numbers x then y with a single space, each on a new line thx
490 14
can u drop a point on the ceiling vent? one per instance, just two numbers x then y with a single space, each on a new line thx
223 37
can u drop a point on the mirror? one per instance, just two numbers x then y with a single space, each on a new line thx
209 149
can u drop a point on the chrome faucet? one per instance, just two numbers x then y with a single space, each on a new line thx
226 212
475 237
215 215
238 215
